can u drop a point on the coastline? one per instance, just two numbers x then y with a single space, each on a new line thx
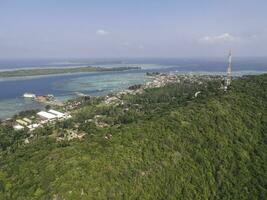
88 85
153 81
59 71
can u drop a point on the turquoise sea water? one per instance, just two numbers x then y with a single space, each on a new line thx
63 87
99 83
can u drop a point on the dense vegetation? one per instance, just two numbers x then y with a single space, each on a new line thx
46 71
162 144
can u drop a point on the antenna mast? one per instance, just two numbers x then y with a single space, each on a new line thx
229 69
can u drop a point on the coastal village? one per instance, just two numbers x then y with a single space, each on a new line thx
52 116
160 80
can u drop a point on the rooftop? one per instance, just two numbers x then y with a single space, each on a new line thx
46 115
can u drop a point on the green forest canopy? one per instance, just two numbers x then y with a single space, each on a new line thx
168 145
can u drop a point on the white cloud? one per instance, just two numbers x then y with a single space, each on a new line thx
102 32
223 38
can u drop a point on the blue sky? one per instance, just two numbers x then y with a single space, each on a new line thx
132 28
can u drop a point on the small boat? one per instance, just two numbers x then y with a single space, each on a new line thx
29 95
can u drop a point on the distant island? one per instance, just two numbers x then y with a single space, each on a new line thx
47 71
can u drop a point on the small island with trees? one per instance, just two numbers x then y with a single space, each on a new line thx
52 71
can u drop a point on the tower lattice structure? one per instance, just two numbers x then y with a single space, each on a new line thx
229 69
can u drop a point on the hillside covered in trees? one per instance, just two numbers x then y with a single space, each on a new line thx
161 144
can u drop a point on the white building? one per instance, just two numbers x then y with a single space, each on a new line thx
56 113
46 115
22 122
27 120
18 127
33 126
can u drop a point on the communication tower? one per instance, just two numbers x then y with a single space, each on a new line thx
229 70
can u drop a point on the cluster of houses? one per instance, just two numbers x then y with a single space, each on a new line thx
72 105
42 118
25 123
160 80
70 135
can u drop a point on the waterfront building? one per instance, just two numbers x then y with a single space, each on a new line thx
46 115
